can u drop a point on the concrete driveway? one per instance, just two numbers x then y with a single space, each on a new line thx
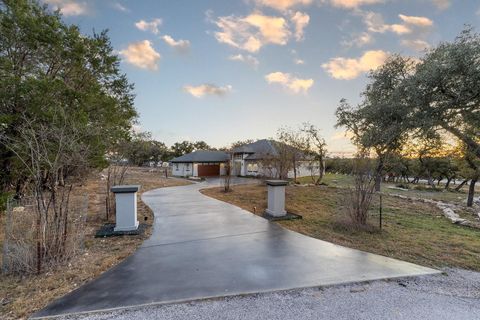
203 248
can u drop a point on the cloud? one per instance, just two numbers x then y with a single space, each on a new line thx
441 4
300 21
69 7
292 83
353 4
151 26
248 59
120 7
416 21
252 32
298 61
349 68
375 23
359 40
207 89
142 54
282 5
416 44
179 45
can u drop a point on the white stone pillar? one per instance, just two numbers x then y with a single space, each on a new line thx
276 198
126 207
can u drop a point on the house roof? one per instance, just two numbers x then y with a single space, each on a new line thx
203 156
258 150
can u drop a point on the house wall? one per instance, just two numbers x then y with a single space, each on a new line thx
222 169
181 169
256 169
185 169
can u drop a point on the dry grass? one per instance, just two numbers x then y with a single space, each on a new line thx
20 297
412 231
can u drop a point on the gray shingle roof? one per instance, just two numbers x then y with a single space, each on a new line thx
203 156
259 149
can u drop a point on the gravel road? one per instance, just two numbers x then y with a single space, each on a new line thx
452 295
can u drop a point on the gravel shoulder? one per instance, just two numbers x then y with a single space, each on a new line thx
455 294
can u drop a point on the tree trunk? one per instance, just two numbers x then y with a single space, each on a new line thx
471 192
461 185
448 183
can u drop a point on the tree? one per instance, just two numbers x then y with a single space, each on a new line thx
376 123
201 145
181 148
317 151
184 147
64 103
292 146
49 70
444 91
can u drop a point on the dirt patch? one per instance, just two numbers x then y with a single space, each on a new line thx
21 296
411 231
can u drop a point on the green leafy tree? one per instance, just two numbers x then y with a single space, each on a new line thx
376 123
444 92
53 76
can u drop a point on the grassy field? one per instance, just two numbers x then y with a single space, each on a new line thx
20 296
438 194
411 231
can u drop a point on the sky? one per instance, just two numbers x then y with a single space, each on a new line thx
224 70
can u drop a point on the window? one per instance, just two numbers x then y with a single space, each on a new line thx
252 167
176 166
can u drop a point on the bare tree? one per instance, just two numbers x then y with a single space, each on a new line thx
317 151
293 146
227 178
55 157
365 176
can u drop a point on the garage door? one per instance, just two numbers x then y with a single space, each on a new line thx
208 170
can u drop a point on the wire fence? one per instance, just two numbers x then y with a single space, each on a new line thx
40 235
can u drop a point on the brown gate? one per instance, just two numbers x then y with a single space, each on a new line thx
209 170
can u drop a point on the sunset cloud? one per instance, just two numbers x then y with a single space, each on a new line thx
252 32
207 89
352 4
248 59
292 83
151 26
282 5
375 23
69 7
179 45
350 68
416 21
300 21
142 55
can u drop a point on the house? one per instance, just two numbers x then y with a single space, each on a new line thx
247 160
200 163
259 159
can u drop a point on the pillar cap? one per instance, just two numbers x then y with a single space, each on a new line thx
276 182
125 188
